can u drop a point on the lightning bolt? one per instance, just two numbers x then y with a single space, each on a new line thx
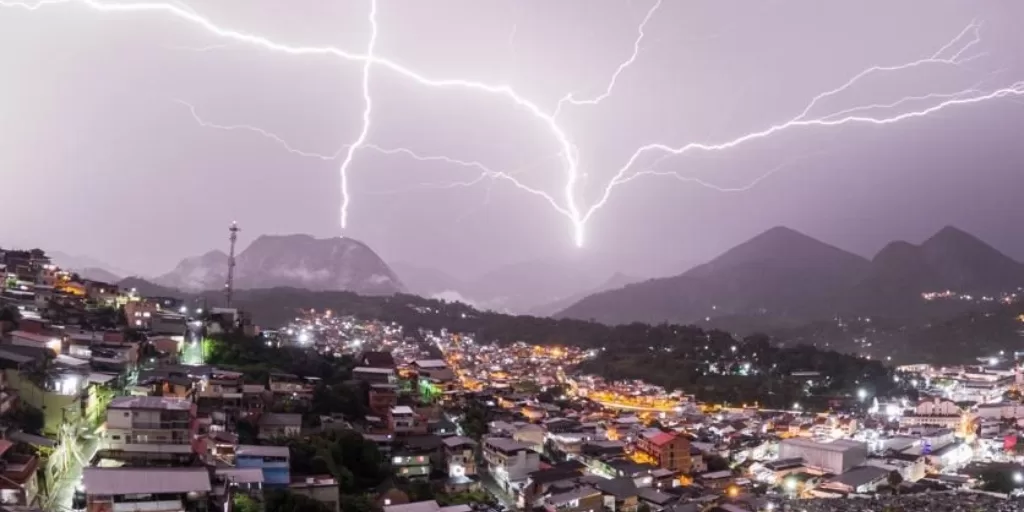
486 173
571 97
843 117
568 206
364 132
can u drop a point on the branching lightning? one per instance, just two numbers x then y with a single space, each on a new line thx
954 53
571 97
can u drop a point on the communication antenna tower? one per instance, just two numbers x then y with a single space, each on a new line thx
229 285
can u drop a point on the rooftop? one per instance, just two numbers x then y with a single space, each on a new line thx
241 475
431 363
151 402
505 444
456 441
371 369
859 476
116 481
247 450
426 506
839 445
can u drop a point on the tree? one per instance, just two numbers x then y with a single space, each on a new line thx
244 503
895 479
10 314
466 498
355 462
283 500
28 418
358 503
248 432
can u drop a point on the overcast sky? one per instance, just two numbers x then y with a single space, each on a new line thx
100 159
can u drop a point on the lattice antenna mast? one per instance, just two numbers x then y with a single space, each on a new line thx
229 285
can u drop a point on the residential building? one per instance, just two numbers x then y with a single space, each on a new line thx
323 488
37 340
274 425
382 397
580 499
288 385
417 456
376 359
18 481
150 430
510 462
402 420
374 375
460 457
434 369
620 494
149 489
426 506
273 461
668 450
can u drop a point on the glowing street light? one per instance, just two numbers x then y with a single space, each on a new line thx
1018 478
862 394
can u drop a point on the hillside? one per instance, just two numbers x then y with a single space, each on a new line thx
782 278
780 273
617 280
299 261
950 260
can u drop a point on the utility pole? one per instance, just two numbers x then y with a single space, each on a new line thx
230 284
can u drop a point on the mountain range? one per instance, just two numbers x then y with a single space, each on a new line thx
88 267
790 278
296 261
537 287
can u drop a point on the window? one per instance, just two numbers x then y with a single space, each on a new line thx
116 438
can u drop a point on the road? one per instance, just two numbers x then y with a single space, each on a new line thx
489 485
64 488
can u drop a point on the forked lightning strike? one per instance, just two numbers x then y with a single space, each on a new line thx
485 172
855 115
571 97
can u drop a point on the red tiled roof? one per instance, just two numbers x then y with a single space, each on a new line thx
662 439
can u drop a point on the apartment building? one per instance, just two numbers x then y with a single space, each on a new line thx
402 420
510 462
668 450
374 375
148 489
460 459
150 429
277 425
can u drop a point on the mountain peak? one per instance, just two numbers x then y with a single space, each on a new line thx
951 236
780 244
298 261
213 255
